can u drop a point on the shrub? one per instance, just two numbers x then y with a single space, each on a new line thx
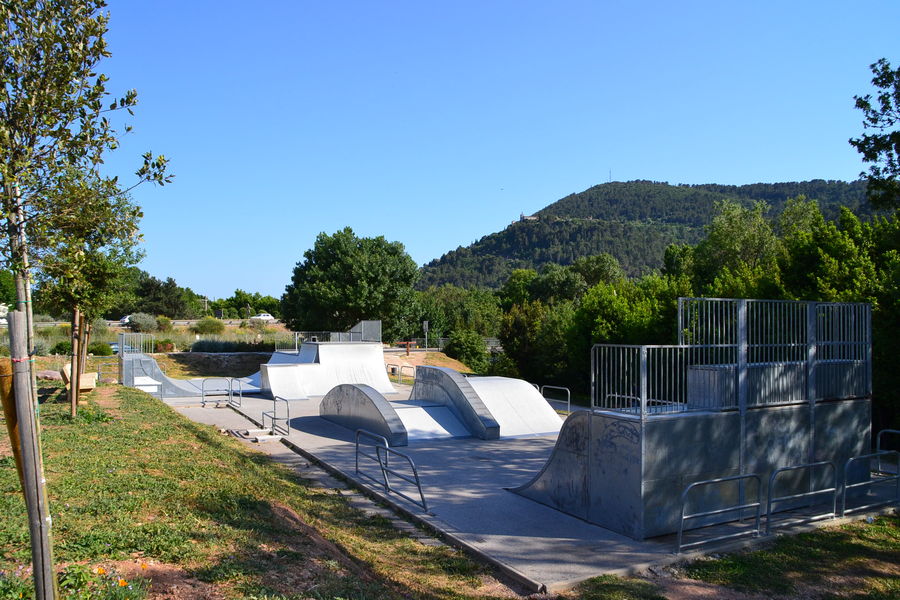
40 347
209 325
142 322
223 346
39 318
165 346
63 347
164 323
99 327
469 348
100 349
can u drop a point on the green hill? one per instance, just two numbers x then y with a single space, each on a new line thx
634 221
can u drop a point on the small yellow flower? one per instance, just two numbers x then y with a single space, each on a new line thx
122 583
143 566
100 571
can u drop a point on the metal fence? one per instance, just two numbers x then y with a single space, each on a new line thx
740 352
136 343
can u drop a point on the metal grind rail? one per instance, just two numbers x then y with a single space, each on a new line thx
228 380
236 401
730 509
382 455
862 484
833 490
560 389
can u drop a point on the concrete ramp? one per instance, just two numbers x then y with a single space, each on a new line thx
142 371
356 406
320 366
429 421
517 407
446 387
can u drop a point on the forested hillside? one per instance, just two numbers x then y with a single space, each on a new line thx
634 221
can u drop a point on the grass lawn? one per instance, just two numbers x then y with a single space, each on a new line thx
140 493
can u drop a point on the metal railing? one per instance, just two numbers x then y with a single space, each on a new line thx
272 415
879 448
236 400
883 478
833 490
739 508
396 370
382 455
228 380
561 389
106 368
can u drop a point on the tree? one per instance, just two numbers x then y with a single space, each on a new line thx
86 253
881 148
344 279
53 105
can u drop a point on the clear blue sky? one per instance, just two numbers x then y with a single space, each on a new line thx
436 123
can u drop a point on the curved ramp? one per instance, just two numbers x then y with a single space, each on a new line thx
445 387
359 406
320 366
143 372
516 406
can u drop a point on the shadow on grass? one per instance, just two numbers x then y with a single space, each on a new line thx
857 550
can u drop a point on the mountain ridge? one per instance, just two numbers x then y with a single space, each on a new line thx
634 221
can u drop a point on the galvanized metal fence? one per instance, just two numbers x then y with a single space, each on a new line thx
734 353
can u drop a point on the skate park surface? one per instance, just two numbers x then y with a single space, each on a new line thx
465 482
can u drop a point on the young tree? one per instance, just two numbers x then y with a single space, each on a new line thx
87 251
344 279
882 147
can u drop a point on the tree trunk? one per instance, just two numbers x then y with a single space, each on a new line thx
75 371
85 341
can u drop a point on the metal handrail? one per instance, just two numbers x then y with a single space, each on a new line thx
414 480
869 482
273 415
203 390
382 455
878 447
240 391
378 439
740 507
833 489
562 389
413 376
393 368
100 370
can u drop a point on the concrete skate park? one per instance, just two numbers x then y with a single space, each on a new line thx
757 421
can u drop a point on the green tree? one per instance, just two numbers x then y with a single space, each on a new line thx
53 117
737 236
516 288
449 308
469 348
344 279
882 147
557 284
598 268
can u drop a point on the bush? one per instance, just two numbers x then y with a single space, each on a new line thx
223 346
99 327
209 325
40 347
63 347
164 323
165 346
142 322
39 318
100 349
469 348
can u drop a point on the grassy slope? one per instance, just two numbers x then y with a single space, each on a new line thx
131 479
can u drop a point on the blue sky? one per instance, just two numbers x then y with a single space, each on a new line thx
436 123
